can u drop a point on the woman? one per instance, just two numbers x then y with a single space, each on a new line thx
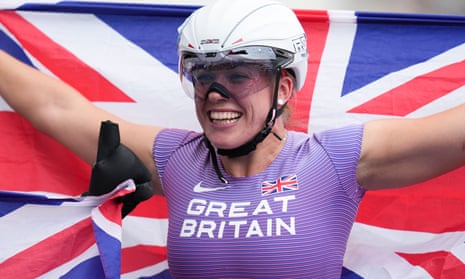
247 198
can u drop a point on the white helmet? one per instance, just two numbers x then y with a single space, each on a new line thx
253 30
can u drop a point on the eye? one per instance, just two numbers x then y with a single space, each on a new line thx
203 78
238 77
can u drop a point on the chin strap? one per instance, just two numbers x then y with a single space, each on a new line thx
251 145
215 161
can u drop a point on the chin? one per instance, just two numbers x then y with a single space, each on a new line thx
222 142
229 138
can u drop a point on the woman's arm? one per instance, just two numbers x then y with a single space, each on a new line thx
61 112
400 152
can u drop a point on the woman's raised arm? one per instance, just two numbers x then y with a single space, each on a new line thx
61 112
399 152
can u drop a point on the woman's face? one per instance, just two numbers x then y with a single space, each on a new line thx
235 111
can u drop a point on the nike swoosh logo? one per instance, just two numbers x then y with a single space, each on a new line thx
199 189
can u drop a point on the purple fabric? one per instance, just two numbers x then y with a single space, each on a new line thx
246 230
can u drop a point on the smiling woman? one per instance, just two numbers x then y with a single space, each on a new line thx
248 198
236 60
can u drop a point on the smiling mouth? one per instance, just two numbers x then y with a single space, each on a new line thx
224 117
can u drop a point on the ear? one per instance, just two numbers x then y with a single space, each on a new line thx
286 88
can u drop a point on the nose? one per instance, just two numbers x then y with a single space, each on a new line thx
216 87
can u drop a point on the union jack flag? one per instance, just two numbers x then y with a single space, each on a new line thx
362 66
282 184
51 236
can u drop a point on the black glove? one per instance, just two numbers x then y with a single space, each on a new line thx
115 164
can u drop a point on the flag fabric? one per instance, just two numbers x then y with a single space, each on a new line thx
122 56
51 236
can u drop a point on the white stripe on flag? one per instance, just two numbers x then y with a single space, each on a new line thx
155 87
33 223
108 226
91 252
328 87
371 249
146 231
146 272
400 77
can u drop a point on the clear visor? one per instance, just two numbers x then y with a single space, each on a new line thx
242 71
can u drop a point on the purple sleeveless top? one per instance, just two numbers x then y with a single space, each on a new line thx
290 221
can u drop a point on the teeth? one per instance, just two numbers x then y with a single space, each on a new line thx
224 117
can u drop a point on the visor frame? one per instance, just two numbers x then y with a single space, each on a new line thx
269 57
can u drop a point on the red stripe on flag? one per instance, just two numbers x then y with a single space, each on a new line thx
32 161
61 62
416 93
141 256
439 264
155 207
435 206
43 256
315 23
111 210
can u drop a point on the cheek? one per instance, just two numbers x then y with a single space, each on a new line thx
257 109
264 100
198 110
